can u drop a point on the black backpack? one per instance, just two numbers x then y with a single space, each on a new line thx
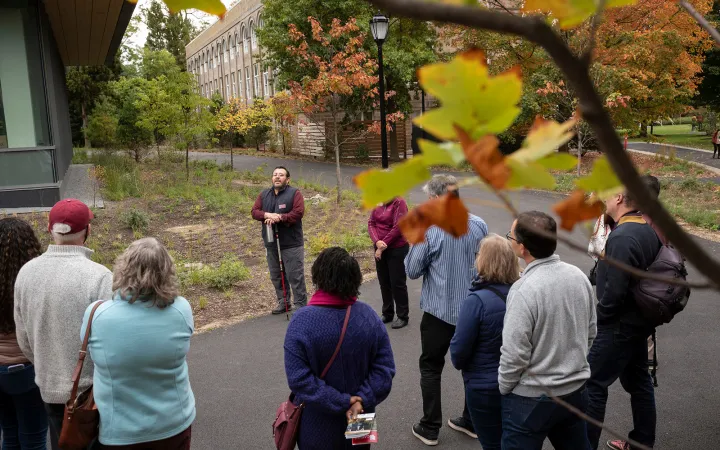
660 301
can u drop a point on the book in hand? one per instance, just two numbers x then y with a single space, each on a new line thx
362 430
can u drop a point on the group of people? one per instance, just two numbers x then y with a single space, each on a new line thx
139 338
518 336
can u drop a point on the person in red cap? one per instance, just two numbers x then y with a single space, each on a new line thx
52 292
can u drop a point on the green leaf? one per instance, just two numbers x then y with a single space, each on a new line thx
380 186
558 161
602 180
214 7
571 13
528 175
544 138
445 154
470 97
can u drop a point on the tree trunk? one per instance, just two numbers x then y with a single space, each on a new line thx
336 145
282 135
652 127
579 148
232 162
187 162
643 128
393 138
85 125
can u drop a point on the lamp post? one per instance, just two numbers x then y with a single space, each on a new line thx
379 28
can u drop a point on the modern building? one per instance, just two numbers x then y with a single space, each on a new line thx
226 57
38 39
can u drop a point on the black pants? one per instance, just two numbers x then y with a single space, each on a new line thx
716 150
435 336
55 413
393 281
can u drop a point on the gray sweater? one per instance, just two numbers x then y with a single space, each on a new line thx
51 294
549 327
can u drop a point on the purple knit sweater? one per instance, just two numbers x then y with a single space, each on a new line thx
364 367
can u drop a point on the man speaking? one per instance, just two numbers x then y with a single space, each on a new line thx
281 209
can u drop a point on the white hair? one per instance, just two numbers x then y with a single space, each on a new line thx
438 185
65 239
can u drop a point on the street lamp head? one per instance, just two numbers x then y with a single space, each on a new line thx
379 27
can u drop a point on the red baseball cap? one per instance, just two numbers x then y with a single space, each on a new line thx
69 216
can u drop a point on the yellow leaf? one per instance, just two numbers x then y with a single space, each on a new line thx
214 7
576 209
447 212
528 175
558 161
602 180
379 186
545 137
445 154
570 13
470 97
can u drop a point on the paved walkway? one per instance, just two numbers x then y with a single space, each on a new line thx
687 153
238 377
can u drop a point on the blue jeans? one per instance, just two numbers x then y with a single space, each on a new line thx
22 414
621 352
527 421
486 412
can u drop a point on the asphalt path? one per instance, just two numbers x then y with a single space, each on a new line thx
687 153
238 377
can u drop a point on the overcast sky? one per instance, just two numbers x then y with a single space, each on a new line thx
139 38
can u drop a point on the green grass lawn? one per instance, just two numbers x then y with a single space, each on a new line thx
682 136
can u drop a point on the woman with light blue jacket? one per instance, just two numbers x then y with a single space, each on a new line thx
139 341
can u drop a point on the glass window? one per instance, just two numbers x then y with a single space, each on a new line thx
248 93
266 83
246 40
227 87
256 80
23 112
253 36
234 86
26 167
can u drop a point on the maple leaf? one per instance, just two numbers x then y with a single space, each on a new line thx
602 180
570 13
379 186
470 97
447 212
485 158
576 209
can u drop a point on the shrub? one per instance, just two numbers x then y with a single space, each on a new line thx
362 153
318 243
354 243
135 219
223 276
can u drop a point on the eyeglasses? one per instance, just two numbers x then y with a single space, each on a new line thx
510 238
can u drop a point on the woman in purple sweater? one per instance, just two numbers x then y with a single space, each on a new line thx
361 375
390 251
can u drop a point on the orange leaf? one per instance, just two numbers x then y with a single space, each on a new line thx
447 212
485 158
576 209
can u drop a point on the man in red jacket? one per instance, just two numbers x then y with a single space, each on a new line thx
281 208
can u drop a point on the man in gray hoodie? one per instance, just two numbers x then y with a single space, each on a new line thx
549 327
51 294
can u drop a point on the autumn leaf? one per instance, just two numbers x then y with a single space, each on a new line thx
471 99
447 212
570 13
379 186
558 161
444 154
485 158
528 175
576 209
214 7
602 180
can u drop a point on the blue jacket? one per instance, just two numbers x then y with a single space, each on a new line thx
364 367
475 347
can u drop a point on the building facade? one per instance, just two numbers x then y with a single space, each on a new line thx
226 58
38 39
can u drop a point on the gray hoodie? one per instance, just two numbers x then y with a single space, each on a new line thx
549 327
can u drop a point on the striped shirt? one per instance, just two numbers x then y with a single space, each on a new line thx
447 266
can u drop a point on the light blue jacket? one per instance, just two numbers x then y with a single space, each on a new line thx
141 383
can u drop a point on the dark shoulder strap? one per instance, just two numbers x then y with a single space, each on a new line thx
83 353
502 296
337 348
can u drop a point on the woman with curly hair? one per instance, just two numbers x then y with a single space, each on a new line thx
359 378
22 412
139 341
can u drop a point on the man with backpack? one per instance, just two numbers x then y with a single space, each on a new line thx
620 348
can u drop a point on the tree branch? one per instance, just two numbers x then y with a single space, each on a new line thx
597 18
534 29
701 21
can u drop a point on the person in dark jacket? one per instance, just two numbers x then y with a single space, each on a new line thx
390 251
620 348
281 208
475 347
360 378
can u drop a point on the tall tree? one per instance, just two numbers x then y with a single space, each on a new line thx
408 46
709 89
85 85
155 23
168 31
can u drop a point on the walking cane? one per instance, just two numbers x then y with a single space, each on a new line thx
282 272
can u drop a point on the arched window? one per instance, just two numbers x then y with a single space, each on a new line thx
253 36
236 44
223 50
228 54
246 39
